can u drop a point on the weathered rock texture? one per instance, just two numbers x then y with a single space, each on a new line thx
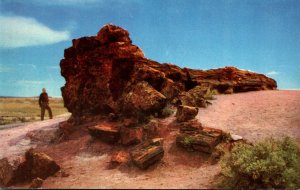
194 137
185 113
36 165
147 153
231 79
6 172
107 132
119 158
108 74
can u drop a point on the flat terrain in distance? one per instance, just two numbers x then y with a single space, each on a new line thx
20 110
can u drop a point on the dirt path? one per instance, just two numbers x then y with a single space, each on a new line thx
253 115
12 137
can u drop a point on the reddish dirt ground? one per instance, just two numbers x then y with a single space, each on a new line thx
253 115
256 115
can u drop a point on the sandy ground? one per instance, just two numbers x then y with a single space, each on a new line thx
253 115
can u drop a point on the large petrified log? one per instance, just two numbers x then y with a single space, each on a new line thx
106 74
202 139
148 153
107 132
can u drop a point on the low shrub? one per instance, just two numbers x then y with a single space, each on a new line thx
167 111
209 95
269 164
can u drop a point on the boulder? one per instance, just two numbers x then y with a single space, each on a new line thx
131 136
107 74
147 154
107 132
185 113
143 98
194 97
6 172
36 165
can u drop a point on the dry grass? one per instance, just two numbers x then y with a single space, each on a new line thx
19 110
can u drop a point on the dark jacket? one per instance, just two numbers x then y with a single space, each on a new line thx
43 99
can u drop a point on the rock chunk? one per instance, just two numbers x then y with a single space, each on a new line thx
185 113
111 33
194 97
6 172
191 126
36 165
131 136
194 137
143 98
147 154
106 132
118 158
36 183
151 129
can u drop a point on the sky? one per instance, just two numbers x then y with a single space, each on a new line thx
257 35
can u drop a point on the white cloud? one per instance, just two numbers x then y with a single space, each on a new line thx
272 73
5 69
67 2
19 31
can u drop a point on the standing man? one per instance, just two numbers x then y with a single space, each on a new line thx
44 104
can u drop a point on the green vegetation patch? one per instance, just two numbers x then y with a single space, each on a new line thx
269 164
210 94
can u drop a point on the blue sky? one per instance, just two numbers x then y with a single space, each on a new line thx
257 35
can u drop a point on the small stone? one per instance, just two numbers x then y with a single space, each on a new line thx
118 158
157 141
36 183
235 137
